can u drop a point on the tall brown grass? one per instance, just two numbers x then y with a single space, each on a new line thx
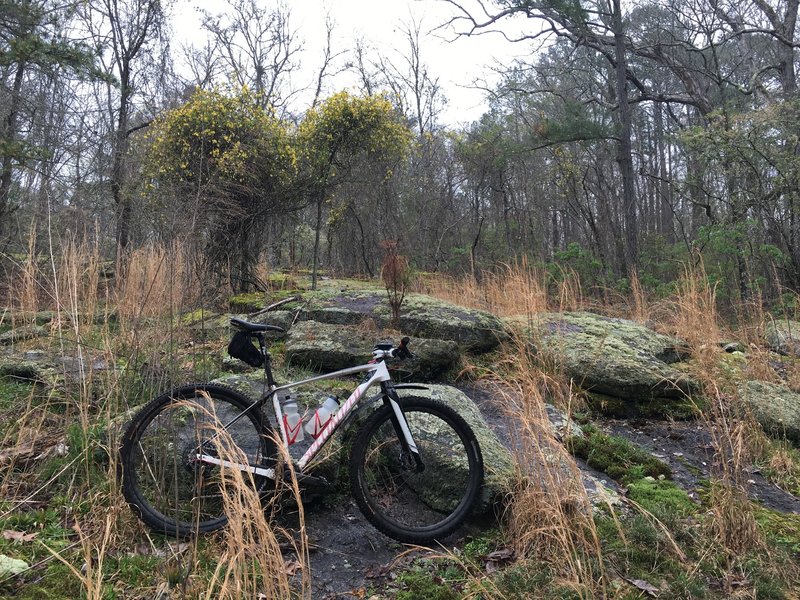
106 315
549 519
549 514
155 280
512 290
251 564
735 434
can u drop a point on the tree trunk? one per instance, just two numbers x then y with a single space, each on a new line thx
624 150
121 201
665 207
9 133
317 229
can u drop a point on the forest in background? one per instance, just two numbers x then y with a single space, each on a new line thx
637 137
639 164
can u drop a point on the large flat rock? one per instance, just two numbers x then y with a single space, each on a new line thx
499 464
324 347
613 357
420 316
775 407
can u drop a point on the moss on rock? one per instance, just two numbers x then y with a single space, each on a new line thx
46 371
336 315
20 334
420 316
474 330
775 407
613 357
247 303
499 464
324 347
783 336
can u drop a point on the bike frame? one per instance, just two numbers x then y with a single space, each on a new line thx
378 374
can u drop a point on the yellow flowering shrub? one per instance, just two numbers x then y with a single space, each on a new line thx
224 139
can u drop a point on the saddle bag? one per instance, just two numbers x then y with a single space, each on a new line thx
242 347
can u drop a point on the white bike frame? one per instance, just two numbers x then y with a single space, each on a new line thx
380 373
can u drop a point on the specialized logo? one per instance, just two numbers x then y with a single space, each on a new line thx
292 432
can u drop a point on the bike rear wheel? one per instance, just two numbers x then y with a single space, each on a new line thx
411 506
162 479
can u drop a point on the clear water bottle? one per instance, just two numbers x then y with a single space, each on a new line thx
322 417
292 420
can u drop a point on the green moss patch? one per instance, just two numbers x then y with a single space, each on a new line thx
616 456
781 528
661 498
246 303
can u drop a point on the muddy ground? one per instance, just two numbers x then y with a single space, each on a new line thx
349 556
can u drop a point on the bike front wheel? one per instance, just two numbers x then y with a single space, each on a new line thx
163 480
405 502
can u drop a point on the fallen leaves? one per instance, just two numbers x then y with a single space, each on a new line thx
292 567
497 559
18 536
642 585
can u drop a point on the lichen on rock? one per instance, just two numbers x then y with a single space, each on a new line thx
474 330
783 336
775 407
324 347
498 462
614 357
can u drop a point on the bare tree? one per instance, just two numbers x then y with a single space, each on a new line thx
258 48
124 29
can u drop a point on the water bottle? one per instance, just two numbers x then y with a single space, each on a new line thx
322 416
292 420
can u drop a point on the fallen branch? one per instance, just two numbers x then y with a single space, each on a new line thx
275 305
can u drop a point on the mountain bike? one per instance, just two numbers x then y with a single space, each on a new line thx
415 466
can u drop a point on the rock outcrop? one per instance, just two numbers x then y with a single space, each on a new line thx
420 316
775 407
323 347
783 336
615 359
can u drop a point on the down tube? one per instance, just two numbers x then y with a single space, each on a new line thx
358 393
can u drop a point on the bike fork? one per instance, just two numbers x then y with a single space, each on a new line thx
402 429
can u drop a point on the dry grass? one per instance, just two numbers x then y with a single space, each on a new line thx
98 324
549 515
156 280
512 290
71 279
95 546
252 563
638 304
736 437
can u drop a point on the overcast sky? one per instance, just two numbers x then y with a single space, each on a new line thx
457 62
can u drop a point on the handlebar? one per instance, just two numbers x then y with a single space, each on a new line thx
383 351
402 350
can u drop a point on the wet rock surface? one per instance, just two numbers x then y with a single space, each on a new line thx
687 447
